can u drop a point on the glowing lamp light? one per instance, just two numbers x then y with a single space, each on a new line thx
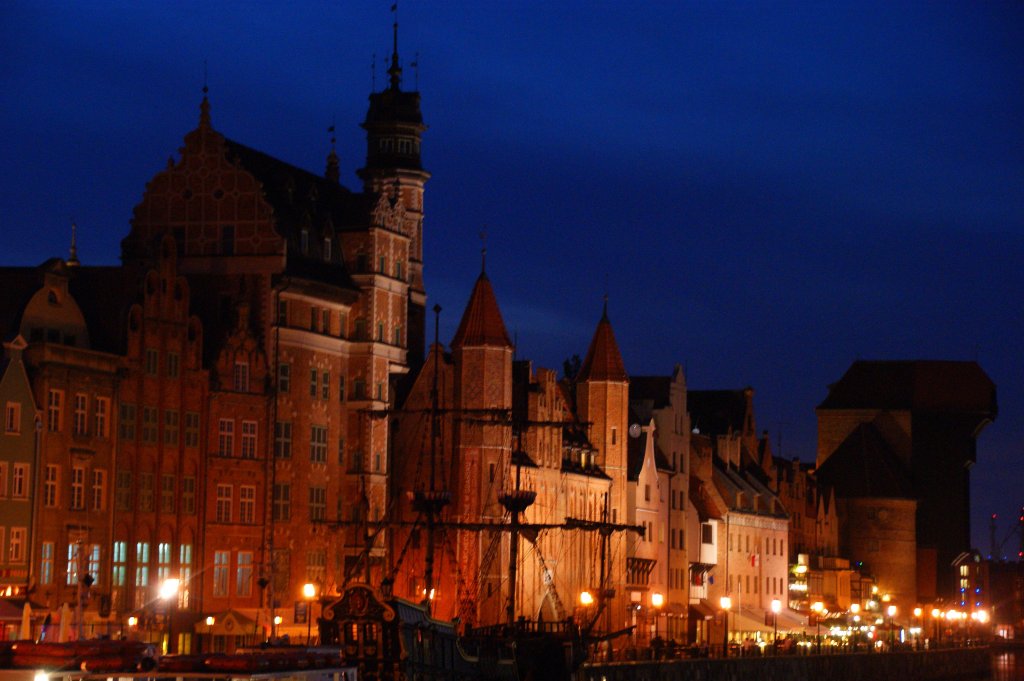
817 606
917 612
891 610
725 602
936 613
133 621
855 608
210 621
982 616
309 591
586 598
169 588
41 676
278 619
886 598
776 606
657 599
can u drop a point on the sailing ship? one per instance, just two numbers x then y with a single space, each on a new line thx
390 638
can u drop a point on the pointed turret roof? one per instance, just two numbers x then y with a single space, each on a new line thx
481 322
604 361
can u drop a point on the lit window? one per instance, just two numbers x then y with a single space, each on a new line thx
243 581
221 560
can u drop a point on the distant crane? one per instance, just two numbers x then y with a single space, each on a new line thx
997 546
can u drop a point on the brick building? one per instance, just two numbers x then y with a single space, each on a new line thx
214 410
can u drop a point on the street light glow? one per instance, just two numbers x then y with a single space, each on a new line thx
169 588
725 602
891 610
309 591
776 606
657 599
586 598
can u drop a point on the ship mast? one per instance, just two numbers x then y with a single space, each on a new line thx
431 501
515 502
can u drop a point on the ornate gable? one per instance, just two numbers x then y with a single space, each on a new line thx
207 200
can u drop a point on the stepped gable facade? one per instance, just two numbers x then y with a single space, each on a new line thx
223 394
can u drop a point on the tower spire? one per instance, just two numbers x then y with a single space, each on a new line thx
483 250
204 107
73 254
395 71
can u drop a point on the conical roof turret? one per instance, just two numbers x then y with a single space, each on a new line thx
603 361
481 322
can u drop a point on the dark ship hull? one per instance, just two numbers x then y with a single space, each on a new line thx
391 639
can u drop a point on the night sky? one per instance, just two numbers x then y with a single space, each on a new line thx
765 191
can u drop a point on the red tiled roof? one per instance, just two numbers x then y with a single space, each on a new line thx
603 362
481 322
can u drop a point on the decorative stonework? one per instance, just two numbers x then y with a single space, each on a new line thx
389 213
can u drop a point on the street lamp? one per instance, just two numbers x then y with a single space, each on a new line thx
657 601
920 625
776 609
855 611
819 608
168 592
891 611
726 603
309 593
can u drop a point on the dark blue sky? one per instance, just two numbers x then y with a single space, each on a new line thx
766 191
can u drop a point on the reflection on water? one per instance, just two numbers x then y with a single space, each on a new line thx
1008 666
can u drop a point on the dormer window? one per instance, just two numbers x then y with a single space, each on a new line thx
51 297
